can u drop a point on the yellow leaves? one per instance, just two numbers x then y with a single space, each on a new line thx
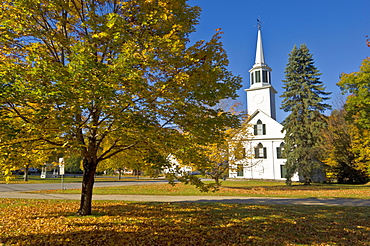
112 18
32 222
100 35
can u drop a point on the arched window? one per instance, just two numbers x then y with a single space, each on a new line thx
252 78
279 151
260 152
259 128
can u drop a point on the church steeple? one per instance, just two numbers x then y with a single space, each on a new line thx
260 57
260 72
261 94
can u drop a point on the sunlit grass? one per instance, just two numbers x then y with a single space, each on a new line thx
240 188
35 179
53 222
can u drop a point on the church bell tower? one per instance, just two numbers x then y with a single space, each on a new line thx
261 94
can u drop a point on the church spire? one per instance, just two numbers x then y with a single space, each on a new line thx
261 94
260 57
260 72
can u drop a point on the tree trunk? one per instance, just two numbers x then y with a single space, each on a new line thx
25 176
119 174
307 180
87 188
217 180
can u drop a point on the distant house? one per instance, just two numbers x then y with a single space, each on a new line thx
266 143
175 165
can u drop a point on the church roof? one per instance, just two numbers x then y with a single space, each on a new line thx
259 111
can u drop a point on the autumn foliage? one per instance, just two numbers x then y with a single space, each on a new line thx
357 109
35 222
98 78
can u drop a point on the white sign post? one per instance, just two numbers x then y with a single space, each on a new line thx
61 170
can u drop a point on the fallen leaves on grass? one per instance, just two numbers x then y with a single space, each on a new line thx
238 189
41 222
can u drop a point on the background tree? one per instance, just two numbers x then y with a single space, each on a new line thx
216 159
72 163
76 72
222 156
17 150
144 158
357 105
338 150
304 97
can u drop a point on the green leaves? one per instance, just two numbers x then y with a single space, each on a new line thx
304 98
101 77
358 102
357 106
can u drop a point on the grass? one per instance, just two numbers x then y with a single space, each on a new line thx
240 188
35 179
53 222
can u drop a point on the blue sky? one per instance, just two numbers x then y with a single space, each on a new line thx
333 30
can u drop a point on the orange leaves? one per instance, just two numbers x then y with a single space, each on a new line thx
32 222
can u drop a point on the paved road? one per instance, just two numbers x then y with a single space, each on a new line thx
58 186
17 191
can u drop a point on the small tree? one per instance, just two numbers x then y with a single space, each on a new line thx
303 97
219 158
216 159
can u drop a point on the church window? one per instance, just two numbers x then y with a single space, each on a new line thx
258 76
269 77
259 128
260 152
240 153
279 151
282 171
240 170
252 78
264 76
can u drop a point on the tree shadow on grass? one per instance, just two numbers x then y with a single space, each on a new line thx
301 187
120 223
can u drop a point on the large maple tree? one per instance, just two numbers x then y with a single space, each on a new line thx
77 72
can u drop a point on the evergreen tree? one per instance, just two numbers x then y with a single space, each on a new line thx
304 98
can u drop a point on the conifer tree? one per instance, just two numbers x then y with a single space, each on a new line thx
304 98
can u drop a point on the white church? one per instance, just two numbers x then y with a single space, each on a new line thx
266 139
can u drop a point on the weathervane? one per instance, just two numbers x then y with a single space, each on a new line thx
259 23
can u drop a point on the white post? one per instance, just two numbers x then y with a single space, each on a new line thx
61 170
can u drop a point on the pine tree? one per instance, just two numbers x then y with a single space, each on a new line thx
304 98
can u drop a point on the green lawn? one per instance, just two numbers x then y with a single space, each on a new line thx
35 179
53 222
240 188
